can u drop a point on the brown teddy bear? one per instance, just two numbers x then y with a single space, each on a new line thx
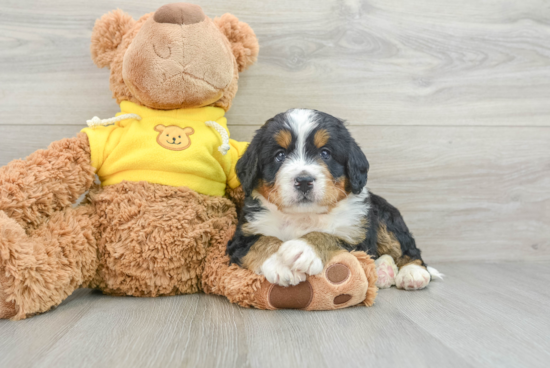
160 221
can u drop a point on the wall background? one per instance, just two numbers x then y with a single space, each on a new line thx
450 100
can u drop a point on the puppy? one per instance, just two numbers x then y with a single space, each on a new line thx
304 178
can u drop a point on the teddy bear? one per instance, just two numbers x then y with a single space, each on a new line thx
159 222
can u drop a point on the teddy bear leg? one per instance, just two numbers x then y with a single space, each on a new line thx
348 279
41 267
237 284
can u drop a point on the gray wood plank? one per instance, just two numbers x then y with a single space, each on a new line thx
376 62
192 330
487 322
482 315
467 193
26 342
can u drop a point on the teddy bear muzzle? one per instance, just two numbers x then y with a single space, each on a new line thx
179 13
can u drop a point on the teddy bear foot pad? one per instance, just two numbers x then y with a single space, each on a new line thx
342 283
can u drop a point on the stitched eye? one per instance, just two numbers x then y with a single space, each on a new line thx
179 136
280 157
325 154
168 135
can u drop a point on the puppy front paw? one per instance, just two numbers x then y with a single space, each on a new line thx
299 256
277 272
386 270
412 277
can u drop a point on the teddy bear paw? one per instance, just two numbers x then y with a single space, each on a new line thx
342 283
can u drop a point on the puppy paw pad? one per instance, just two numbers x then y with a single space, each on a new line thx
341 299
338 274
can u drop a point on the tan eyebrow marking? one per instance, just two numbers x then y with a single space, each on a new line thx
284 138
321 138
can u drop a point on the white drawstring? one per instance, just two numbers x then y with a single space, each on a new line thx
95 121
225 137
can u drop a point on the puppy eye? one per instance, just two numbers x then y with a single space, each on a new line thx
325 154
280 157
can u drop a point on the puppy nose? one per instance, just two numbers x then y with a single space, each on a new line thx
304 183
179 13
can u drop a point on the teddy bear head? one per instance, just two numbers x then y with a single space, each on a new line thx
176 57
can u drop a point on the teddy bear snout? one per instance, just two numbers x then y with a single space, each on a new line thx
179 13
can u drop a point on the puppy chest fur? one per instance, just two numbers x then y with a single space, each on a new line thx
347 220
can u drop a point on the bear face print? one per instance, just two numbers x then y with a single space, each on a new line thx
173 137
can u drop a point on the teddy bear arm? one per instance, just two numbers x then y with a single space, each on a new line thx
47 181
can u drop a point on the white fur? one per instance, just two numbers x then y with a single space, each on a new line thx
276 272
412 277
302 122
435 273
344 221
386 270
299 256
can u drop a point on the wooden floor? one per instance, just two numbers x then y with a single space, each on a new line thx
482 315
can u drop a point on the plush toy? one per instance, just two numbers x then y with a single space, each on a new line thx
160 221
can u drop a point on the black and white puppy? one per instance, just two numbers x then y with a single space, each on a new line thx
304 178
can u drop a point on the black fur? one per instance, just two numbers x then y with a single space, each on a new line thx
382 212
239 246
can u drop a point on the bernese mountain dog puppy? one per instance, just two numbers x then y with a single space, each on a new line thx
304 179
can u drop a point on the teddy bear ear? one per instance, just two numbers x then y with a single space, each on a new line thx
107 35
242 38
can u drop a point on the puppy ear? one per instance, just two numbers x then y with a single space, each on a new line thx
107 35
160 128
248 166
244 43
357 168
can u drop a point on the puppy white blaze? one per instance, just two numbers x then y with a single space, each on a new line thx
301 122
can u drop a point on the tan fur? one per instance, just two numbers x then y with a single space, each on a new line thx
321 138
325 245
271 192
47 181
335 189
264 248
283 138
236 196
242 38
149 245
406 260
370 271
387 243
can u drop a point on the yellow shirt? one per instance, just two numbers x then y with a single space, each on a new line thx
172 147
